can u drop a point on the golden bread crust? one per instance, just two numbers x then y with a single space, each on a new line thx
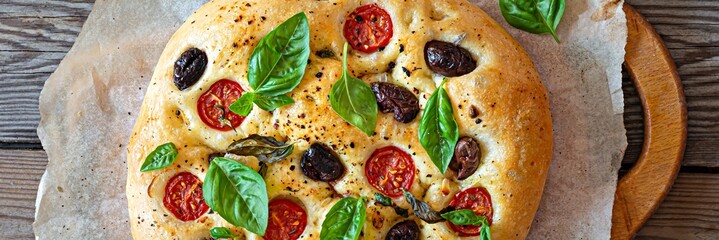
515 132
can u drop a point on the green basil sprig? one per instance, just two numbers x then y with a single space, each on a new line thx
237 193
387 202
161 157
243 105
345 219
272 103
277 66
534 16
468 217
354 100
222 232
265 149
438 131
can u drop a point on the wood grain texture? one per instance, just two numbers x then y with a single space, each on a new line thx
690 30
20 172
654 74
690 211
35 35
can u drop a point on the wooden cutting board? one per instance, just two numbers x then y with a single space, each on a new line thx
655 76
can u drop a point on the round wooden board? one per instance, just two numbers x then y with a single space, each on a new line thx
655 76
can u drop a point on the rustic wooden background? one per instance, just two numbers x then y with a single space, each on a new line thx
35 35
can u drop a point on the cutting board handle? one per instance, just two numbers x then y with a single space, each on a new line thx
655 76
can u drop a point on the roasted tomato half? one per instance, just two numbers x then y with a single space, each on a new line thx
183 197
390 170
214 105
479 201
368 28
287 220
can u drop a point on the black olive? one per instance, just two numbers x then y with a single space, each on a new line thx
321 163
466 158
189 68
448 59
397 99
407 230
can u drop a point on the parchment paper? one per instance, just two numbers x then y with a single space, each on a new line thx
89 105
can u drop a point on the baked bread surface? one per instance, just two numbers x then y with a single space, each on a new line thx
514 134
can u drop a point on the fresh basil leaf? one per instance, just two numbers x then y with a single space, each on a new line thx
468 217
387 202
161 157
534 16
221 232
438 131
238 194
265 149
243 106
272 103
345 220
422 210
464 217
278 63
485 232
354 100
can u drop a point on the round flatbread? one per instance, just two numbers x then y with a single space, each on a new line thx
498 102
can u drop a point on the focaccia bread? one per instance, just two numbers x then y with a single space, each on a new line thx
497 99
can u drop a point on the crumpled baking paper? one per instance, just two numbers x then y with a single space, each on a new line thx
89 105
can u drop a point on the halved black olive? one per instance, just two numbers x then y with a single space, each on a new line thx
320 163
189 68
406 230
448 59
466 158
393 98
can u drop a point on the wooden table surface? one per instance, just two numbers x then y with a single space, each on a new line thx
35 35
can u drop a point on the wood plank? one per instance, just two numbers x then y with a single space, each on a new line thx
20 172
690 211
45 8
34 37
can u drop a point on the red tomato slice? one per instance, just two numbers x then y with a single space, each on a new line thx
390 170
287 220
214 105
183 197
368 28
479 201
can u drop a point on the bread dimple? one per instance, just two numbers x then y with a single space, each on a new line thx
513 127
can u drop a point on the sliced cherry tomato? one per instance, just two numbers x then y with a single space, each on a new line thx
214 105
368 28
287 220
479 201
390 170
183 197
